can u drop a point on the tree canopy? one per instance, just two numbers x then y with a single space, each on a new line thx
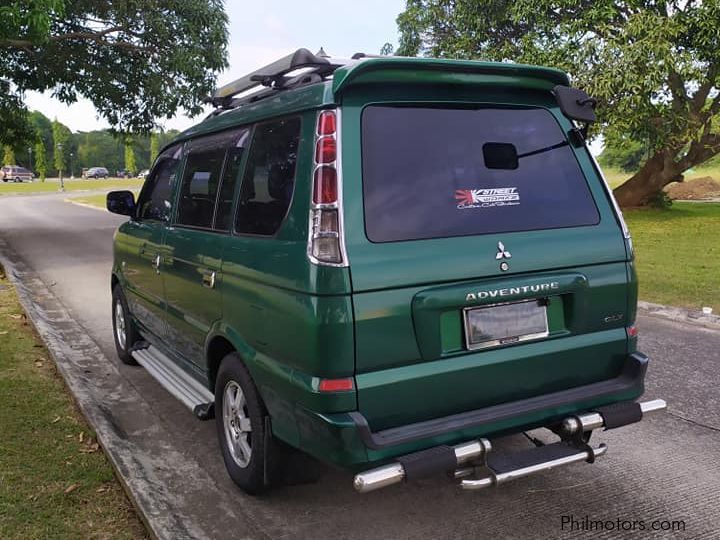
99 148
137 61
653 66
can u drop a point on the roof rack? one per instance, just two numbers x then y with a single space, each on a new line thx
275 77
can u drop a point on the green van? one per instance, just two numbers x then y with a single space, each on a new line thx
382 263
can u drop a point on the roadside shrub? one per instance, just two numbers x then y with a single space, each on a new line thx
661 201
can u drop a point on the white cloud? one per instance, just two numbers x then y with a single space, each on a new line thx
80 116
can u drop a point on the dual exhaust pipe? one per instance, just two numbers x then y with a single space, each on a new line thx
395 472
477 451
593 420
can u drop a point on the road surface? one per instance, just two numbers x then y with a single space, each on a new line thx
666 468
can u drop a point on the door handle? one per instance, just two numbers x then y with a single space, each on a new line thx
208 280
156 263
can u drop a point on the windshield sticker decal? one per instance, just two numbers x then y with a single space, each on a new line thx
487 198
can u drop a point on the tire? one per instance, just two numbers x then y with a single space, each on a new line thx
252 460
17 180
124 332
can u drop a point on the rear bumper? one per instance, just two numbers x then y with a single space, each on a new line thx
473 458
347 440
631 380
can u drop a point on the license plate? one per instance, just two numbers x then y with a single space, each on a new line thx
504 324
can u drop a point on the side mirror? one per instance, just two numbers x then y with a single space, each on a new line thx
575 104
121 202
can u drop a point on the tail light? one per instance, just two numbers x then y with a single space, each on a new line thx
327 123
325 151
325 243
325 185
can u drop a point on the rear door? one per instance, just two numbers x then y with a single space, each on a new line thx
466 207
195 241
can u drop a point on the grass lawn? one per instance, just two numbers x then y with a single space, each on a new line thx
51 186
54 479
678 254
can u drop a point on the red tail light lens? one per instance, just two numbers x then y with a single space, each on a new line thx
327 123
325 185
325 150
336 385
632 331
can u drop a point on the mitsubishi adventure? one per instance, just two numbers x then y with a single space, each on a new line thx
384 263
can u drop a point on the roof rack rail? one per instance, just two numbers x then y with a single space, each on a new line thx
274 76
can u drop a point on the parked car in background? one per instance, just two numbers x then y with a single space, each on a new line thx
143 174
14 173
124 173
97 172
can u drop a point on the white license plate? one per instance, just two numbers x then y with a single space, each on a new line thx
504 324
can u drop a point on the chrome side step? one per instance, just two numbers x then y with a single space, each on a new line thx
558 455
174 379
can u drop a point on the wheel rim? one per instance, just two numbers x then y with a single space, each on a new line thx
236 421
120 325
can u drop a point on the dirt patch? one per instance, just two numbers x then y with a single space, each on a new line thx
694 190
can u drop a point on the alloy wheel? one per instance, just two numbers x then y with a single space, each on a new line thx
236 422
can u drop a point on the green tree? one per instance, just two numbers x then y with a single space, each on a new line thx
130 156
40 158
154 146
623 153
8 155
136 61
61 148
653 66
100 149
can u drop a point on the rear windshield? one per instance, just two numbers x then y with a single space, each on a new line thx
434 172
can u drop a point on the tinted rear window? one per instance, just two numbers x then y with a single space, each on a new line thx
434 172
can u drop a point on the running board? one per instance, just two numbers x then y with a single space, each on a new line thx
176 381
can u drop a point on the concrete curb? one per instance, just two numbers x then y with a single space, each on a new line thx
162 483
677 314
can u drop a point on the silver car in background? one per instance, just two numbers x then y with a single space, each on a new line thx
14 173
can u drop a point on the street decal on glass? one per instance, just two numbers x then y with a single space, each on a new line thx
487 198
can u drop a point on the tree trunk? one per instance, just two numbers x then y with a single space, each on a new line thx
645 184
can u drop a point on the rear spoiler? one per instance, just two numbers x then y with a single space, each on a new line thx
395 69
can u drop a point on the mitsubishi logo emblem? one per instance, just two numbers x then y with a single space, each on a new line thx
502 252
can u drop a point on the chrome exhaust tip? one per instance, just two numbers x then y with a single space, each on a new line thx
395 473
593 420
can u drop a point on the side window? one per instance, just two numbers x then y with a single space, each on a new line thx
223 218
155 201
231 174
269 179
199 188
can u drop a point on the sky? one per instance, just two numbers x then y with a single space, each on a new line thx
260 33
